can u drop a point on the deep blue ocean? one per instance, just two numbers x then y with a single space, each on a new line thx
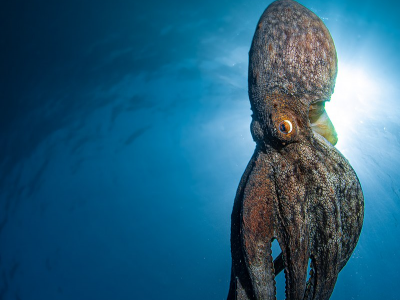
124 131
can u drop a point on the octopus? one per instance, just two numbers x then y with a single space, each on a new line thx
298 188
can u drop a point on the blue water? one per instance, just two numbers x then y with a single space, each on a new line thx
124 131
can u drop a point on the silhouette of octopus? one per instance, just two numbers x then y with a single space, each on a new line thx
297 188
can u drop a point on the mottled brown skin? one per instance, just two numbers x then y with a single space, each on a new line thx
297 188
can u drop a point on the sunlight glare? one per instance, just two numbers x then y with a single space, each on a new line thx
352 103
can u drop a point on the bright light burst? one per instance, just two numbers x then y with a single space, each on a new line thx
353 102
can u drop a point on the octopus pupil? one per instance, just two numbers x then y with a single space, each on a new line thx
285 127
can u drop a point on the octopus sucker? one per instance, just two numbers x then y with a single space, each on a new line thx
297 188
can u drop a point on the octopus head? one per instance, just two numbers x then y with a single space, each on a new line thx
292 73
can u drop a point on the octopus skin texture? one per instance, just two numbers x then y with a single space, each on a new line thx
297 188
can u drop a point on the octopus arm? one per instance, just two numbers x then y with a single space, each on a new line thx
258 224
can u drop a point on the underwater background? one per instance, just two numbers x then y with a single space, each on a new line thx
124 131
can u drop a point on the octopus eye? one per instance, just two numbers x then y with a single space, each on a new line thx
285 126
